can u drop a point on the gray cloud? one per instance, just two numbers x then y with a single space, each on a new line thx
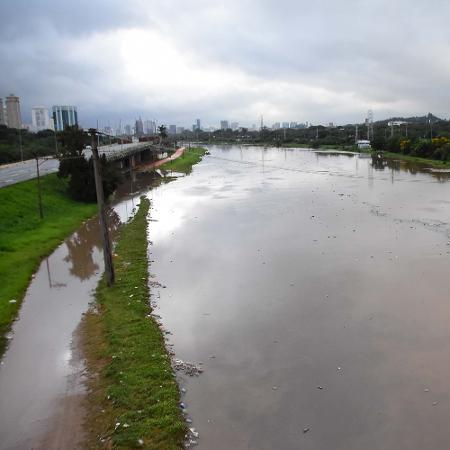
289 60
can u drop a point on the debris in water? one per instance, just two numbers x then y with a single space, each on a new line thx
188 368
13 301
435 403
141 442
194 432
274 388
320 387
305 430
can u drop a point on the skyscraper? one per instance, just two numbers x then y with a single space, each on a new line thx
150 127
224 124
172 129
2 113
14 119
40 118
64 116
198 125
139 127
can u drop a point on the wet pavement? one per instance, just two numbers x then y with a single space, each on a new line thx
26 170
314 289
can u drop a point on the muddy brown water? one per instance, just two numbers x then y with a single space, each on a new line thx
41 373
314 288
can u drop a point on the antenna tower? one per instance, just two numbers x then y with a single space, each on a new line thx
369 122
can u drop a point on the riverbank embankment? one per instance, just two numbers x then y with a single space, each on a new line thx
188 159
25 238
133 397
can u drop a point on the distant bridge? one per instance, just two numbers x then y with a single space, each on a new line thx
127 153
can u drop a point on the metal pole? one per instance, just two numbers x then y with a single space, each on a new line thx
56 145
20 145
107 254
41 214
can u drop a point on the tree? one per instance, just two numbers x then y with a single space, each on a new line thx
80 171
162 131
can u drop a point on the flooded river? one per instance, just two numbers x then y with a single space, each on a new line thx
314 288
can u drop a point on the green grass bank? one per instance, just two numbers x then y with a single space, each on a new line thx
25 238
132 382
185 162
415 159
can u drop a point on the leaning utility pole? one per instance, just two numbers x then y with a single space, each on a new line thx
107 254
41 213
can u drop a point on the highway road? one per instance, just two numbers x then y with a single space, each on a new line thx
26 170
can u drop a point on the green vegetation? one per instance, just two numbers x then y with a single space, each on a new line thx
416 159
132 381
185 162
42 143
79 171
25 239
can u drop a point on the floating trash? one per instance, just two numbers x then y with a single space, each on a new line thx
189 368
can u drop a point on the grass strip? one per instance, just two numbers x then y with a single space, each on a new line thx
415 159
184 163
25 238
132 382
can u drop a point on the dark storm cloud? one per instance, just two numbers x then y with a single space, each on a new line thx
291 60
28 18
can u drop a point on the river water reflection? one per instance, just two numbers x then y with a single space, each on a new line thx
314 288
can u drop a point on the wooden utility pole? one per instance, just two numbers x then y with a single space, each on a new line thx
106 241
41 214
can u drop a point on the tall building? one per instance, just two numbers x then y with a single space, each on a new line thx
40 119
2 113
180 130
150 127
224 125
285 125
128 130
234 125
198 124
13 118
139 127
172 129
64 116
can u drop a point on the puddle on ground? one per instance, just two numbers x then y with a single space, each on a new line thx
318 303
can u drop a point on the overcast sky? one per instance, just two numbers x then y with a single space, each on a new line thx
291 60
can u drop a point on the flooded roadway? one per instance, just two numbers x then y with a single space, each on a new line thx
41 374
314 288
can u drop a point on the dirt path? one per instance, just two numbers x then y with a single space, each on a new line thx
160 162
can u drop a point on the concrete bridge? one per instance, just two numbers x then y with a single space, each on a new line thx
127 154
